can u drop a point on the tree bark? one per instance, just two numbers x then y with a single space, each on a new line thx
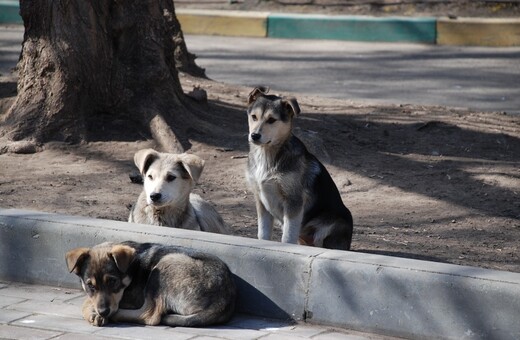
99 70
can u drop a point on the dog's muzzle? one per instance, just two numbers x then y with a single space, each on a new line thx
255 137
155 197
104 312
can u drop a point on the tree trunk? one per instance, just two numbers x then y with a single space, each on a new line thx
100 70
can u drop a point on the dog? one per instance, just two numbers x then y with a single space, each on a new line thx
167 199
291 186
152 284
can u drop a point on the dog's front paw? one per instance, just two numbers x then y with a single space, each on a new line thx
90 314
97 320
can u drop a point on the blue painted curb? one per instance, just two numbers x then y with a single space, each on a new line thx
10 12
352 28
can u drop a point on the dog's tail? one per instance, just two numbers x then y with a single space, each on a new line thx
207 217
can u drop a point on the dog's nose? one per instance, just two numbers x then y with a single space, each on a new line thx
155 196
104 312
256 136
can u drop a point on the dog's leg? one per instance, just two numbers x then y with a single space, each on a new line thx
139 316
149 314
339 235
265 221
203 318
321 233
292 224
130 315
90 314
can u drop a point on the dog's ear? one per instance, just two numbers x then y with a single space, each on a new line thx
123 256
75 259
257 92
144 158
193 164
291 105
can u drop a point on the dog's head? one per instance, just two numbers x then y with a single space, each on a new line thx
168 178
103 274
270 117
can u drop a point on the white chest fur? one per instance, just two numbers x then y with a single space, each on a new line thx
266 182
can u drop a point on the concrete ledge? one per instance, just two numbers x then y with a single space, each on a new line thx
478 32
233 23
353 28
10 12
379 294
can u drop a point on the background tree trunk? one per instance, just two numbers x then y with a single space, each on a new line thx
99 70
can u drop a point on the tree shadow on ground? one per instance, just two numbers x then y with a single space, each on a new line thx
7 89
433 158
438 156
467 162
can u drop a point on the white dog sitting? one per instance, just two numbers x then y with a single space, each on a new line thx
167 199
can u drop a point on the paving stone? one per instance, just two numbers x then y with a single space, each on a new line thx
128 331
281 336
56 323
47 307
340 336
10 300
40 312
7 316
39 292
76 301
225 332
249 322
79 336
350 335
304 331
278 327
14 332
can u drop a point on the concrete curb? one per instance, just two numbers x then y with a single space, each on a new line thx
500 32
371 293
230 23
479 32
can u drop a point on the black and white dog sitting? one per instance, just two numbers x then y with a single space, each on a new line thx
291 186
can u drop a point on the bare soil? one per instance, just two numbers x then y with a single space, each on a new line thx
429 183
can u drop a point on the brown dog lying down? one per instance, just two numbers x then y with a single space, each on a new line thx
152 284
166 199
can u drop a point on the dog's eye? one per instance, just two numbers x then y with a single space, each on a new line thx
170 178
271 120
150 177
254 118
91 287
112 282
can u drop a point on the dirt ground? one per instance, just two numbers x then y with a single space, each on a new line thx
429 183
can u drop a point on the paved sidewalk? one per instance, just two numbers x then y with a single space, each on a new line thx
43 312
